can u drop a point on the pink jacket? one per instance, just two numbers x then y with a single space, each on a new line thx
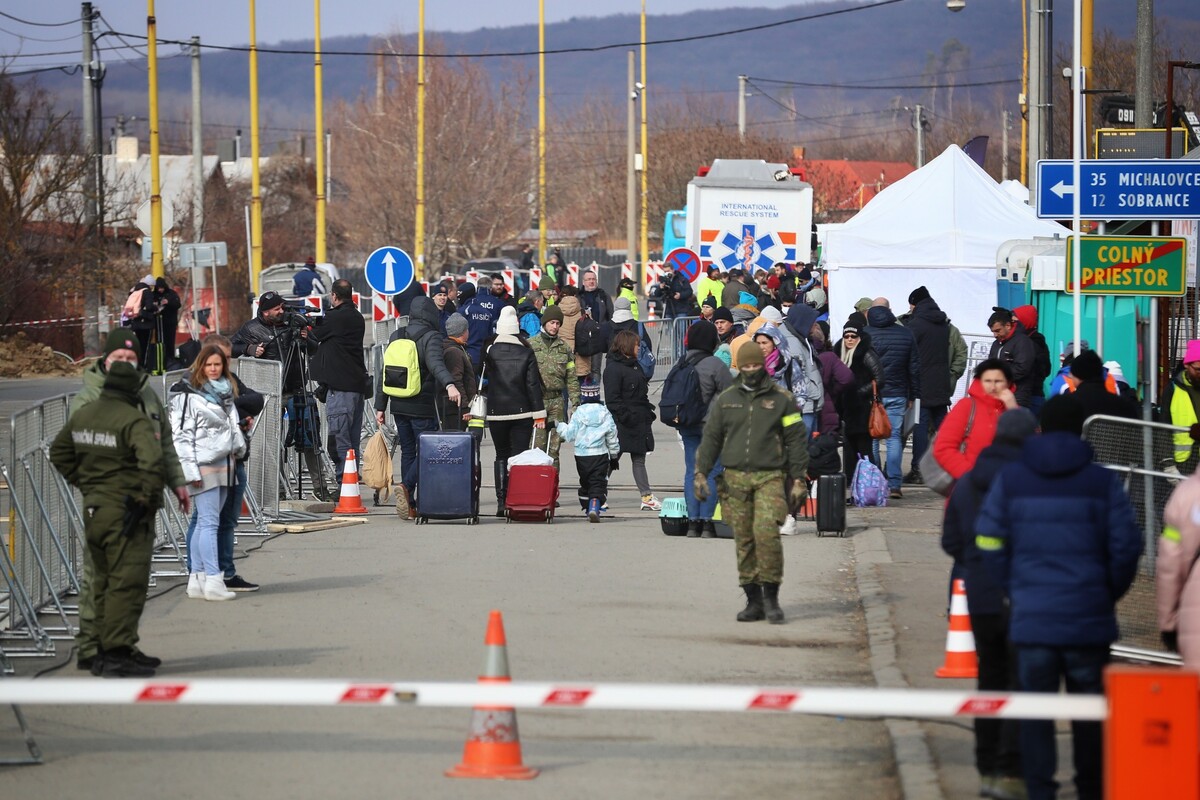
1178 582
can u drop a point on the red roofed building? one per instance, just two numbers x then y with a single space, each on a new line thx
841 188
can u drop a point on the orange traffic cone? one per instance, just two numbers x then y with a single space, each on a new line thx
350 501
650 310
493 748
961 661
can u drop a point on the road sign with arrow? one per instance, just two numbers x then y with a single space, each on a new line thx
1119 189
389 270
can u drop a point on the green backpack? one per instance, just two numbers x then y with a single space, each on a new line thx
401 369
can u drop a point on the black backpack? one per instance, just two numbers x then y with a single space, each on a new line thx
681 405
589 340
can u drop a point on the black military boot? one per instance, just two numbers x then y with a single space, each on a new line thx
708 529
771 601
120 663
753 611
693 529
501 473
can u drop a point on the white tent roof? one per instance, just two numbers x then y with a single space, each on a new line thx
949 213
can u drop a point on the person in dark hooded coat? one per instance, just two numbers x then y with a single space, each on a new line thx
854 404
931 328
799 322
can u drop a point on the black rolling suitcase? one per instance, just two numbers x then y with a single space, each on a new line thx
448 477
831 504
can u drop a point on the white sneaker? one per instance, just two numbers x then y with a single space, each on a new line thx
195 587
214 588
789 527
651 503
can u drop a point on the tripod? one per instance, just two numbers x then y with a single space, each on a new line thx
304 428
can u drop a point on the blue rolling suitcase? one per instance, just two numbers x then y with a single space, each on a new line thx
448 477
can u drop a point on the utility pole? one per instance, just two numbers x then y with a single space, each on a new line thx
919 124
631 171
645 150
197 146
1005 121
742 107
92 217
319 123
1143 98
156 219
256 226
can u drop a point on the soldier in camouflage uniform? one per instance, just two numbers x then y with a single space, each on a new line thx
122 345
756 429
557 366
111 451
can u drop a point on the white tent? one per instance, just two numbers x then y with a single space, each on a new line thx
938 227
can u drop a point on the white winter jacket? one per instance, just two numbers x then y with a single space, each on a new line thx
206 432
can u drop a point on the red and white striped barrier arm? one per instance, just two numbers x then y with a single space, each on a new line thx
846 702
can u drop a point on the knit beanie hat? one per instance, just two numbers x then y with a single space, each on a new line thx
1192 354
550 314
456 325
508 325
1087 366
750 353
918 294
622 310
589 392
121 339
1065 413
727 315
702 335
546 284
465 292
1015 426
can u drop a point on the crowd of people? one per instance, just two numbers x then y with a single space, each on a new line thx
1045 540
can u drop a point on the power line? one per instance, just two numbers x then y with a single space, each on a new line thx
888 87
521 53
39 24
68 69
37 38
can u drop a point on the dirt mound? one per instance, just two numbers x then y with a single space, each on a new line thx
22 358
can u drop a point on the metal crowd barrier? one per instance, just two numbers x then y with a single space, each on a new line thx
1143 453
668 336
266 445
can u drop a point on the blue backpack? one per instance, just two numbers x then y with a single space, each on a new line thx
868 487
645 356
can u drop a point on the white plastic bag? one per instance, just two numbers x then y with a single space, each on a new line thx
531 458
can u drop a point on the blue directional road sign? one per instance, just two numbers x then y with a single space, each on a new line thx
683 261
389 270
1118 189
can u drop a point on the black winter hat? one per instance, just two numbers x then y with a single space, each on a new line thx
1064 413
723 313
1015 426
918 294
1087 366
702 335
121 339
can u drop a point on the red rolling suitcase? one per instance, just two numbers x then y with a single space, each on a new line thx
532 493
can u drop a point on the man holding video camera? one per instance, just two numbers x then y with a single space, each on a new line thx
281 333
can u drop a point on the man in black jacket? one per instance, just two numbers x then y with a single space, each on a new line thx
931 329
276 334
897 351
339 367
1013 347
417 414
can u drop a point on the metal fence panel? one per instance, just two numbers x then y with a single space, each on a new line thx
1142 452
266 443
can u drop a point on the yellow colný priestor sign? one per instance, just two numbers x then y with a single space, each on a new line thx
1129 265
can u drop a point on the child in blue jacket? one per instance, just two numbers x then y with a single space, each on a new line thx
593 432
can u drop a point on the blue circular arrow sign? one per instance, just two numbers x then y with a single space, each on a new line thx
683 261
389 270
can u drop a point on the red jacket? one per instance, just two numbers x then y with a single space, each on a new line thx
948 446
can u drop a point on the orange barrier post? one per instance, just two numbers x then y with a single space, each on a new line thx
350 500
493 748
1152 736
961 660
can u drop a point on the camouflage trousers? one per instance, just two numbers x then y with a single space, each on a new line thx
754 506
556 411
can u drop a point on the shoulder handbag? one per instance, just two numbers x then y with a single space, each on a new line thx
478 407
878 425
933 474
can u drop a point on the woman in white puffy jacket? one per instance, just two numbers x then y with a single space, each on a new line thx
209 442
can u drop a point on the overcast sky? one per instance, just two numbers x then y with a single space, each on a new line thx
227 21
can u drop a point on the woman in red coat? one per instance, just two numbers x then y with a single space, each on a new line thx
971 424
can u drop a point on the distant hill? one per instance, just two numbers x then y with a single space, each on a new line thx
895 45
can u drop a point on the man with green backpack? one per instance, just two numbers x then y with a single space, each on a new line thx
413 368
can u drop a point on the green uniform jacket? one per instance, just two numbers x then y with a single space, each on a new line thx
958 355
111 450
152 407
752 431
556 365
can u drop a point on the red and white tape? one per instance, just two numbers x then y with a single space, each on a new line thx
846 702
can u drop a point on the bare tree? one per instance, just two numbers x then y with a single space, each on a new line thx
477 164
